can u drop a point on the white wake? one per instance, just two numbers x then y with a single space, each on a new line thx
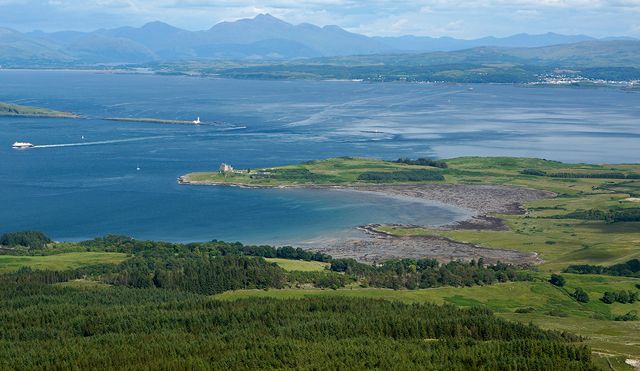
114 141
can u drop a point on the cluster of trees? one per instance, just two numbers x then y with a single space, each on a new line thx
629 316
629 269
609 297
557 280
30 239
426 273
580 295
611 175
122 328
422 162
202 275
631 214
622 296
417 175
321 280
265 251
124 244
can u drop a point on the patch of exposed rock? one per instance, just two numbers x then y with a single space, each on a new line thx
379 249
481 199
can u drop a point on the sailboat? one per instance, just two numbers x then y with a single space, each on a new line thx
138 167
197 121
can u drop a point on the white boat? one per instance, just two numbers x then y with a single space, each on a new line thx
197 121
22 145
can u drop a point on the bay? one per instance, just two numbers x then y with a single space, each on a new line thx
82 190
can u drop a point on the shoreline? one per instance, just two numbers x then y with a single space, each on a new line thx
481 202
470 197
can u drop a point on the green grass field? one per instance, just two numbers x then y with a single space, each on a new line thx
299 265
333 171
72 260
491 170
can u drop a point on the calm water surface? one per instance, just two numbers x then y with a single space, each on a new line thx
80 191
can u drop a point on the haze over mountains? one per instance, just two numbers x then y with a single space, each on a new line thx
261 38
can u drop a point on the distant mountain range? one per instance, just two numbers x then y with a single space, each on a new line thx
261 38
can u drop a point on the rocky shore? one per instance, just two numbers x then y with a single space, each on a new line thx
480 200
377 247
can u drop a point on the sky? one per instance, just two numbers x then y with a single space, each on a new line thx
455 18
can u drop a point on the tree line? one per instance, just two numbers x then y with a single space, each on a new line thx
427 273
609 175
215 266
631 214
417 175
30 239
622 296
422 162
630 268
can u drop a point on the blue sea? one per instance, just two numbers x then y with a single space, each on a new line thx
83 180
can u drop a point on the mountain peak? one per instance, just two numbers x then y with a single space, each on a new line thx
157 25
266 18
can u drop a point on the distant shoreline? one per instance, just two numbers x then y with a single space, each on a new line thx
624 84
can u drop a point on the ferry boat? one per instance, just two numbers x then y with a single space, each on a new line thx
22 145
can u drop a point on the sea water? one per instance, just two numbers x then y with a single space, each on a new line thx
92 177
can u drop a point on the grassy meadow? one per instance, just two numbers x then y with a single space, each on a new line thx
299 265
333 171
59 262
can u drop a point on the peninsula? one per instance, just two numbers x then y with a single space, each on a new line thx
8 109
521 209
